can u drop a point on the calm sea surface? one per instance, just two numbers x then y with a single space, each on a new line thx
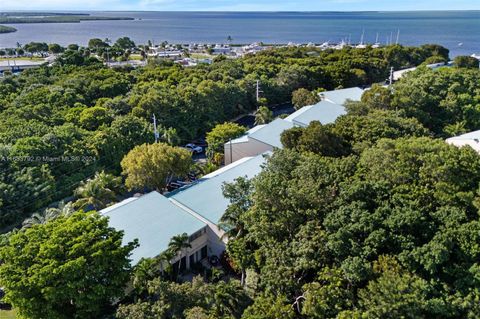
457 30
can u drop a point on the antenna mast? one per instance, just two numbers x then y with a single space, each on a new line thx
391 75
258 91
155 131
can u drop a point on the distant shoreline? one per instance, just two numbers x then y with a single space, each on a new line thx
51 17
7 29
59 19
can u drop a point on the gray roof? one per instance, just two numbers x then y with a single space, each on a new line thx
206 197
341 96
324 112
153 220
270 133
244 138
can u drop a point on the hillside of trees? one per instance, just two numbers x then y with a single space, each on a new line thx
59 125
373 216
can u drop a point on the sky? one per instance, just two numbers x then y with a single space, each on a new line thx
240 5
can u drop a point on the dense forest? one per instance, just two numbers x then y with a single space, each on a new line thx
373 216
61 124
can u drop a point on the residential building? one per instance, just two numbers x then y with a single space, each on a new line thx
264 138
221 49
153 220
324 112
165 52
196 209
343 95
259 139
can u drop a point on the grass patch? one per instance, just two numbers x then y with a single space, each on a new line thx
135 57
7 314
201 56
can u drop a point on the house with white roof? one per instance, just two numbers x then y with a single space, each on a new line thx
343 95
264 138
153 219
324 112
471 139
221 49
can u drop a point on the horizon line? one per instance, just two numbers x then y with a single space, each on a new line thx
238 11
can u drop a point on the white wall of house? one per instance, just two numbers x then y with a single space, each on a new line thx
205 237
216 244
251 147
201 240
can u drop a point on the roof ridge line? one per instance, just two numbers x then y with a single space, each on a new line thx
198 216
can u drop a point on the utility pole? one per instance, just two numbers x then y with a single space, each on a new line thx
155 132
108 55
258 91
391 76
231 156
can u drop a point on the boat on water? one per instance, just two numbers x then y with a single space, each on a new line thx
362 45
376 44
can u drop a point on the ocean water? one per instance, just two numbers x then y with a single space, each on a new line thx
457 30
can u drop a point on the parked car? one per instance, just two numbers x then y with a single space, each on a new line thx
194 148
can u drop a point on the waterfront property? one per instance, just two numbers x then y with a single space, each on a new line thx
154 219
264 138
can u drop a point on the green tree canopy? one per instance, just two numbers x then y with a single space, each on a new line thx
318 228
97 43
263 115
125 43
152 166
468 62
303 97
97 193
55 48
315 138
221 134
67 268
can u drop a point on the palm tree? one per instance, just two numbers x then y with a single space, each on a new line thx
170 136
229 39
144 271
98 192
164 259
239 195
263 115
177 245
49 214
225 299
